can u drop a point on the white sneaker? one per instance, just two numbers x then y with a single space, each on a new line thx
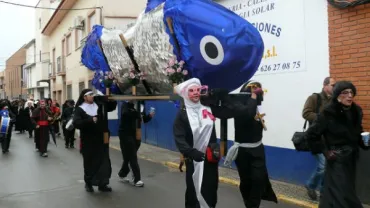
124 179
138 184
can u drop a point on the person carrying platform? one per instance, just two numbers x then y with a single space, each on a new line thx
89 119
248 150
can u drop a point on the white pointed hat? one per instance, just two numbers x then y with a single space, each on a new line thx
181 89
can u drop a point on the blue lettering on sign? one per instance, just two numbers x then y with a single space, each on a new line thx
268 28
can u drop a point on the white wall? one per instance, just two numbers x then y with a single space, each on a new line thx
126 8
304 37
30 54
40 71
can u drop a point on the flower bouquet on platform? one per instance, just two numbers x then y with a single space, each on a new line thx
134 77
109 80
176 74
176 71
103 80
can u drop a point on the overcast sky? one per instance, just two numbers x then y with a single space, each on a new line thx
17 27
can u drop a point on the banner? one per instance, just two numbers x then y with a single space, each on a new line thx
282 27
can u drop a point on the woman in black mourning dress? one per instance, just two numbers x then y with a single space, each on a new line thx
89 118
341 124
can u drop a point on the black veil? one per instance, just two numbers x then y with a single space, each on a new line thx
81 98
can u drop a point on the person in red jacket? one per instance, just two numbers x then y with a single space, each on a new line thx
56 113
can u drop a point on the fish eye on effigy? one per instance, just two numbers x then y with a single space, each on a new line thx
212 50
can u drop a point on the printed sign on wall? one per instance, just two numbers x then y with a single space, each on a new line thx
282 27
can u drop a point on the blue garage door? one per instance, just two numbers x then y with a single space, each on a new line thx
158 131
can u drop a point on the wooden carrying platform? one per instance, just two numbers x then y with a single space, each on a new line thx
141 98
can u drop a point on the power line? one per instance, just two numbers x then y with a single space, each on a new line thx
38 7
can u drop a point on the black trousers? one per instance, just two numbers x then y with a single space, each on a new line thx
209 185
5 144
129 147
69 136
252 170
30 131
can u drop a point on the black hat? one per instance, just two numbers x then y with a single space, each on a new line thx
343 85
247 88
3 103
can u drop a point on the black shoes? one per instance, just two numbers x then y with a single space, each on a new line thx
89 188
70 146
311 193
105 188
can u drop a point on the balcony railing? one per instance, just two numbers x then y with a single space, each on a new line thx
61 66
51 71
83 42
45 57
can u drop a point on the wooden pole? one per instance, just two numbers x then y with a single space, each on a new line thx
223 139
133 90
105 110
105 114
182 158
138 125
172 31
136 66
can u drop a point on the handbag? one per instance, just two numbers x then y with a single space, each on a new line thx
69 125
299 139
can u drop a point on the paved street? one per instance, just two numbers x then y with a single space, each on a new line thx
30 181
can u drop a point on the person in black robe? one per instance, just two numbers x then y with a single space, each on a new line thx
89 119
7 112
195 137
129 143
20 120
41 117
248 149
30 127
69 135
341 125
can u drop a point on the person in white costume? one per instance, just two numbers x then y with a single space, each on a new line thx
195 136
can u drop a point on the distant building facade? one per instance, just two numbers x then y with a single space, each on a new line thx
14 85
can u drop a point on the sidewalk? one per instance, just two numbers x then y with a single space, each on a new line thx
286 192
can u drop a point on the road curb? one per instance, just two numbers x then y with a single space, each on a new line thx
232 182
